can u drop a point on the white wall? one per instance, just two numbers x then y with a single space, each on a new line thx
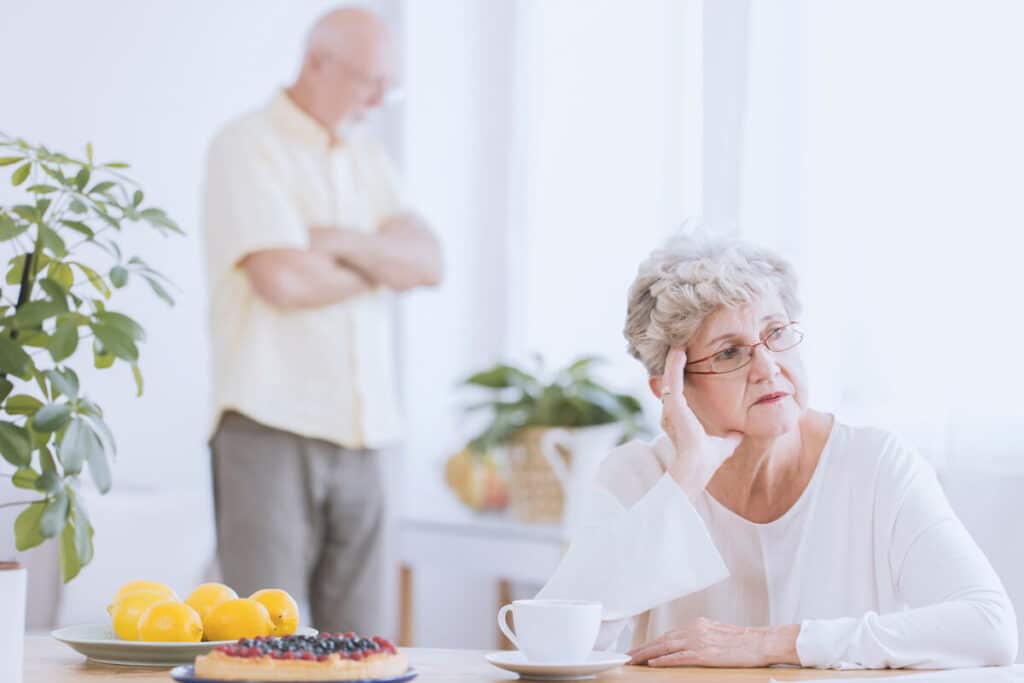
882 153
148 83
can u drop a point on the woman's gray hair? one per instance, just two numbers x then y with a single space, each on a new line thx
695 273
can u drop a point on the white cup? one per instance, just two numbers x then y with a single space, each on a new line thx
552 631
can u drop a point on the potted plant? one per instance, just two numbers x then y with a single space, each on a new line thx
554 432
54 314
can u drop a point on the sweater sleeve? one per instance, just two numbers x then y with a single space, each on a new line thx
957 612
636 557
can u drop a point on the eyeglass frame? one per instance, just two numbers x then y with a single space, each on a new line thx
382 84
791 323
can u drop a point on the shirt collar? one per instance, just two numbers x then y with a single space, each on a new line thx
297 123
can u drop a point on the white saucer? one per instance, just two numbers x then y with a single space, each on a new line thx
514 660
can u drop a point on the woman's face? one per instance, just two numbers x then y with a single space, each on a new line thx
734 401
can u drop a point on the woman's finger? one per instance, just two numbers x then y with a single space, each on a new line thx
672 380
658 648
682 658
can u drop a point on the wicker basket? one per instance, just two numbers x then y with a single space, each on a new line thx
534 492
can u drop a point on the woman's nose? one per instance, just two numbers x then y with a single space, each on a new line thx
763 364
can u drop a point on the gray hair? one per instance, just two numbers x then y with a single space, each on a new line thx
683 282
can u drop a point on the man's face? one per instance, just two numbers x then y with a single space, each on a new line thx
356 81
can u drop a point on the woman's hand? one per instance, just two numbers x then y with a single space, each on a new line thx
707 643
698 455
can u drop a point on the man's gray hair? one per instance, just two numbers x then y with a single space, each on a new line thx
692 275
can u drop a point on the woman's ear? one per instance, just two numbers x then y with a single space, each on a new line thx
654 383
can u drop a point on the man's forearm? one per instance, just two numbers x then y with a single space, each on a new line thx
291 279
402 255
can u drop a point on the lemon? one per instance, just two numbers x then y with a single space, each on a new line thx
207 596
284 611
124 614
238 618
170 621
161 589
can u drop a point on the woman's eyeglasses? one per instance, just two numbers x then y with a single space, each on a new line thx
739 356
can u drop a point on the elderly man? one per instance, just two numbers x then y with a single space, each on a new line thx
307 242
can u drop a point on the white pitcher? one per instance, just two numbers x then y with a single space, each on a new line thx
13 579
588 447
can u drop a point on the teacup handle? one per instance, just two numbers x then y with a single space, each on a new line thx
503 625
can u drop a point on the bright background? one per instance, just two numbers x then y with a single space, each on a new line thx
553 144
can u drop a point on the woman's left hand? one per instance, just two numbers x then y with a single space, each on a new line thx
708 643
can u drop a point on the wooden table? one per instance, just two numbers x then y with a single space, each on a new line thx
47 661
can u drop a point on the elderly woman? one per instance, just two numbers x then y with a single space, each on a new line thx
757 531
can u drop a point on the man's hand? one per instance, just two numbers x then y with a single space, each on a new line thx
708 643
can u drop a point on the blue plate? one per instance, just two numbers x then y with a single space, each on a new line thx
187 674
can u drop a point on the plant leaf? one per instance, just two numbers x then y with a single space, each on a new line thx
13 359
25 478
29 213
122 323
119 276
9 229
46 460
80 227
94 278
22 404
26 527
81 179
62 274
54 290
7 161
501 377
83 530
67 553
79 446
51 417
64 380
116 341
101 187
64 340
106 436
99 469
102 359
159 290
137 374
35 312
15 445
55 516
20 173
52 242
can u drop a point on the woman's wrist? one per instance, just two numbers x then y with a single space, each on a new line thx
778 644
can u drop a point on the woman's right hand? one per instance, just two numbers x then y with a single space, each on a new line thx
698 454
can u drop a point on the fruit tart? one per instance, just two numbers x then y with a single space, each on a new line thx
323 657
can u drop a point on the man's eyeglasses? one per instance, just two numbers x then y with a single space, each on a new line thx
738 356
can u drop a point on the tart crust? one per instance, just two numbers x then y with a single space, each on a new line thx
224 667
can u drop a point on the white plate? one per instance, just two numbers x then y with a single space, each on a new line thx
514 660
98 642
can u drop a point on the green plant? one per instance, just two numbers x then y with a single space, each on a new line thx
572 398
71 211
